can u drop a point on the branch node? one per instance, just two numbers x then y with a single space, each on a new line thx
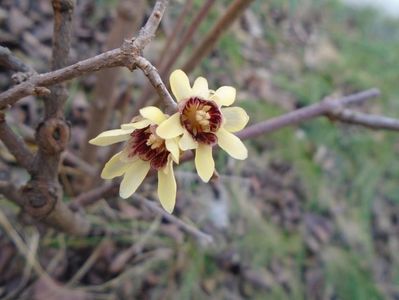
41 91
40 198
53 136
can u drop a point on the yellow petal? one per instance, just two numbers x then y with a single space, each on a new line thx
236 118
170 128
136 125
180 85
224 95
167 188
153 114
173 148
111 137
204 162
187 142
200 88
231 144
114 167
134 176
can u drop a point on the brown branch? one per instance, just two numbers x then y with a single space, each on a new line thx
234 10
123 56
15 145
177 28
103 191
151 72
11 192
366 120
187 37
202 237
304 114
8 60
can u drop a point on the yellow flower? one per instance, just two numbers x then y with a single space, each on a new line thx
144 150
203 122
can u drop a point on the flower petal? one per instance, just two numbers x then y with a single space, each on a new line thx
204 162
231 144
200 88
134 176
111 137
114 167
171 127
187 142
153 114
224 95
180 85
173 147
167 188
136 125
236 118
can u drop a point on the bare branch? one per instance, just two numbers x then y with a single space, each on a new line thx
11 193
304 114
366 120
103 191
151 72
8 60
235 9
177 28
112 58
15 145
187 37
202 237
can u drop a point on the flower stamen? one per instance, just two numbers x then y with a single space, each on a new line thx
201 118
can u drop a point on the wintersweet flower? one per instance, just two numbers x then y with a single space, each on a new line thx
143 151
203 122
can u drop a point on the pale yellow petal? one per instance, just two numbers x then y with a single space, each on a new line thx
173 147
136 125
235 118
224 95
171 127
153 114
114 167
167 188
187 142
180 85
111 137
134 176
200 88
204 162
231 144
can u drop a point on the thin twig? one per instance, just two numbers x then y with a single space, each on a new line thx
305 113
235 9
177 28
8 60
202 237
187 37
15 145
151 72
11 192
366 120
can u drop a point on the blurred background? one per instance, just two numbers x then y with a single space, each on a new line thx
313 213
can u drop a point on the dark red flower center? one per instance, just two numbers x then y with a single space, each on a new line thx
148 146
201 118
